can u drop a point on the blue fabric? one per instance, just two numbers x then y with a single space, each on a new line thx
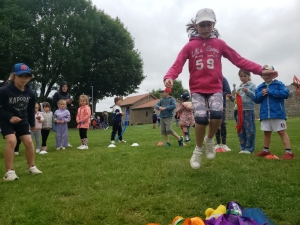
248 132
272 104
247 97
258 215
226 90
169 103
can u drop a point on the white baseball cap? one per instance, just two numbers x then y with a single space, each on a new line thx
268 67
205 15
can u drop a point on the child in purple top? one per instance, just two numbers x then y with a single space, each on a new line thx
61 118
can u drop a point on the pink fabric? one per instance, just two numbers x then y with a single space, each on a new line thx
186 111
205 65
38 123
83 114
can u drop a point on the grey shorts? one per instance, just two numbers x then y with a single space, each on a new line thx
166 126
204 102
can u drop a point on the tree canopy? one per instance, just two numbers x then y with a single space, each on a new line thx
69 40
177 90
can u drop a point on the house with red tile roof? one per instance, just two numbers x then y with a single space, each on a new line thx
140 108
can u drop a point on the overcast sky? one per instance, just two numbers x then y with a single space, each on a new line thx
264 31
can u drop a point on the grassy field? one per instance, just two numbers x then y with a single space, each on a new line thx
148 183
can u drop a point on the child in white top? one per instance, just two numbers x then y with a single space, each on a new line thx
46 126
36 132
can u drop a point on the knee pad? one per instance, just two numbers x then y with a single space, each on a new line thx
201 120
216 115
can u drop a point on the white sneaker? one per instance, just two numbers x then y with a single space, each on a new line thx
10 176
43 152
195 161
69 145
84 147
112 142
34 170
217 146
244 152
58 148
17 153
226 148
79 147
63 148
123 141
37 151
209 147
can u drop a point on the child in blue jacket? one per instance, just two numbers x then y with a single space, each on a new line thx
271 95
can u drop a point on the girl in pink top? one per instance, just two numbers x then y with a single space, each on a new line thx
36 132
83 120
204 52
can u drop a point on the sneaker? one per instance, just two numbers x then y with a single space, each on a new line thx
69 145
37 151
263 153
58 148
242 152
63 148
34 170
43 152
123 141
288 156
210 150
189 140
79 147
17 153
10 176
168 144
247 152
84 147
226 148
180 142
195 161
112 142
217 146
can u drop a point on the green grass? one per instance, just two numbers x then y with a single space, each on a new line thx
148 183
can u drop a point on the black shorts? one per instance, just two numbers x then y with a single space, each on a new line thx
20 129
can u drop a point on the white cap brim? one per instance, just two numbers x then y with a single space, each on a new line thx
206 19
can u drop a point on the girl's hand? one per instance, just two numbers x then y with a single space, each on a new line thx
245 90
168 83
15 119
228 96
264 91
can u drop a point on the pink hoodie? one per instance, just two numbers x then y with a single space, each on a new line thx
83 114
205 65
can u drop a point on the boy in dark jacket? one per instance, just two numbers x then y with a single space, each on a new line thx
17 115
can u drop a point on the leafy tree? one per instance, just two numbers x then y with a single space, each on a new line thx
15 39
177 90
115 67
72 41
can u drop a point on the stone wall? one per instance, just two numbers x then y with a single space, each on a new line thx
292 107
